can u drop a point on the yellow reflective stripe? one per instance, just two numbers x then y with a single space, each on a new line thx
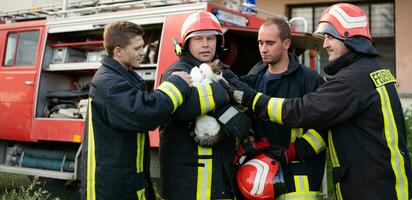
338 192
91 160
204 174
295 133
275 109
206 100
332 151
141 194
174 94
309 195
140 152
315 140
301 183
257 96
391 135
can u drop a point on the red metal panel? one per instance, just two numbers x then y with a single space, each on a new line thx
64 130
23 25
171 29
17 86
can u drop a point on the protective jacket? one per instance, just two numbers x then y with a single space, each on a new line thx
307 171
120 114
367 137
189 171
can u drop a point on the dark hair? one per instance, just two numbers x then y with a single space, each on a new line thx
283 26
118 34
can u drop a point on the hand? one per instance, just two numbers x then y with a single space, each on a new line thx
249 148
185 76
239 92
281 154
233 121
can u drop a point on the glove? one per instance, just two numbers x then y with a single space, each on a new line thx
207 131
239 92
285 155
233 121
248 148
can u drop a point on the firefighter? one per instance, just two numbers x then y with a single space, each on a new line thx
121 113
187 169
360 107
279 74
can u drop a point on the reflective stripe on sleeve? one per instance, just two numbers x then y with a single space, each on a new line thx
207 103
315 140
174 94
295 133
275 109
228 114
255 100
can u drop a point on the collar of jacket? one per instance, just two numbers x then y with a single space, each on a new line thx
128 74
189 59
345 60
262 67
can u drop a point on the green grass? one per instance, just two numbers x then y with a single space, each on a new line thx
21 187
12 181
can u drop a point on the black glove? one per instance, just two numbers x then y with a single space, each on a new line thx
239 92
249 148
233 121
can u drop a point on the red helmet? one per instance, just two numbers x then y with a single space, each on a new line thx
201 23
261 178
343 21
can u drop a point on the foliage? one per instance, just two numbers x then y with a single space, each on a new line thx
30 192
408 123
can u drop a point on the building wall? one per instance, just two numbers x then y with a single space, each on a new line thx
403 33
279 6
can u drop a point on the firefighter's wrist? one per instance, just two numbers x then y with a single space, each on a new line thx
259 105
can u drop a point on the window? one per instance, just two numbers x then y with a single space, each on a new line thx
381 21
21 48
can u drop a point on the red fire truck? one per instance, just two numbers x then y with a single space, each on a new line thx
46 65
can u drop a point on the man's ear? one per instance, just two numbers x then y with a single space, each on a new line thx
286 43
117 52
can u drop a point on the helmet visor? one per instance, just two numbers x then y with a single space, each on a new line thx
327 28
203 33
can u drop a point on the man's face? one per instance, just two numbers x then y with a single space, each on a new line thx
271 47
132 55
334 47
203 48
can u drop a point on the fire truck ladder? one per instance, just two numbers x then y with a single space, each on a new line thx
77 7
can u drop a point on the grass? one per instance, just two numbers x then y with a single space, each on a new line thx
22 187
